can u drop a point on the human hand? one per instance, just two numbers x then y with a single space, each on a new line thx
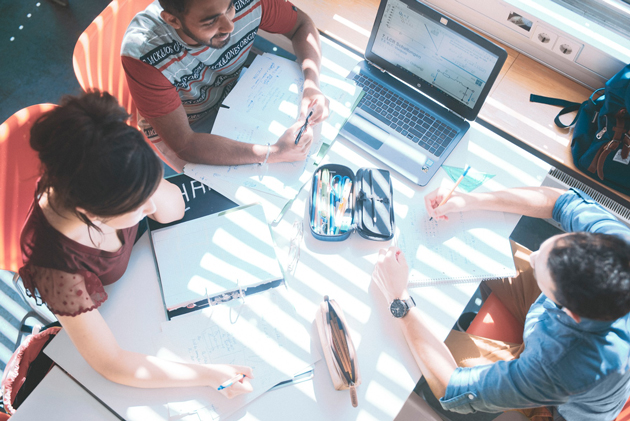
225 372
456 203
313 100
391 274
285 149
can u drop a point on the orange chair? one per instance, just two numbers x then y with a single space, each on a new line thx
19 171
494 321
96 57
625 413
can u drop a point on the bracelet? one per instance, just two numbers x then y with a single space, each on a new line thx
267 156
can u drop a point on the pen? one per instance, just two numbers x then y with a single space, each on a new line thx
299 135
325 201
448 196
345 198
314 210
372 198
230 382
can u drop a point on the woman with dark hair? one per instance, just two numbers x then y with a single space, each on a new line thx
99 179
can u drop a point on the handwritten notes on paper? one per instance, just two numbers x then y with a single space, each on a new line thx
262 106
262 333
469 246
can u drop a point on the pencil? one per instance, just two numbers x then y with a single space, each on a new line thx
450 193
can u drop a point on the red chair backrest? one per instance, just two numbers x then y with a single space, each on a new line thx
19 171
96 58
494 321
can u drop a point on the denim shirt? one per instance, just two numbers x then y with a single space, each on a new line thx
582 368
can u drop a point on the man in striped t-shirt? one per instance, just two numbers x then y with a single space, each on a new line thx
182 58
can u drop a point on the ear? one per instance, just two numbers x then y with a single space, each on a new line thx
171 19
572 315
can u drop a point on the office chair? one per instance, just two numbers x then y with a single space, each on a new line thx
19 171
494 321
96 58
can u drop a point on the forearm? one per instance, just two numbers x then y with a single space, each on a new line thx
536 202
204 148
307 48
433 357
145 371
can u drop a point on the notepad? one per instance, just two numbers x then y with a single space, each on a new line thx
215 257
470 246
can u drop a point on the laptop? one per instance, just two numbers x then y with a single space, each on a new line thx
425 77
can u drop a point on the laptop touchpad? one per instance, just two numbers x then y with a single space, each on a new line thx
362 129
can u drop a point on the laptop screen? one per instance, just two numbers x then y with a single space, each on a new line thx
445 60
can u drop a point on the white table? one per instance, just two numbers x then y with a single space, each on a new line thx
342 271
59 397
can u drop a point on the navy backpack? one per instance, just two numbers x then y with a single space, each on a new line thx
601 136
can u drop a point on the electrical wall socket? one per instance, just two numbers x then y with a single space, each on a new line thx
567 48
544 36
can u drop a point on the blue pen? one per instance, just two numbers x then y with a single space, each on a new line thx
325 201
335 198
314 203
331 220
230 382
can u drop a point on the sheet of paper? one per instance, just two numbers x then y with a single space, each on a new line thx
261 332
265 102
214 254
469 246
262 105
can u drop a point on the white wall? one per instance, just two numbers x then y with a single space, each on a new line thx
550 34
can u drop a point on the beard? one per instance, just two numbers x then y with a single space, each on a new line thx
213 42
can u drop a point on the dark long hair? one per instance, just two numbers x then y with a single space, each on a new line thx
92 159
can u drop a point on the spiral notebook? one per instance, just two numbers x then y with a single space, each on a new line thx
469 247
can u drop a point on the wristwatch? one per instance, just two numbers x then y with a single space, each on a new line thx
400 308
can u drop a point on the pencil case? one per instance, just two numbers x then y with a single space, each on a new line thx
342 202
338 348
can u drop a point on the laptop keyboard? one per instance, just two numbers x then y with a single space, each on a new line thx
404 117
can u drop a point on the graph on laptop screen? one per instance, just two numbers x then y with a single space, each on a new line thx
433 52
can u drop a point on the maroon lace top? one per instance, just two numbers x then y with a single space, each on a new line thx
66 275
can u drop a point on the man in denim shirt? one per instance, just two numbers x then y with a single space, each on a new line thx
574 362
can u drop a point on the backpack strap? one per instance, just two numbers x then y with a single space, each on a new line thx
569 107
619 131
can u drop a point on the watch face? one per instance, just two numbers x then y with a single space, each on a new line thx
398 308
